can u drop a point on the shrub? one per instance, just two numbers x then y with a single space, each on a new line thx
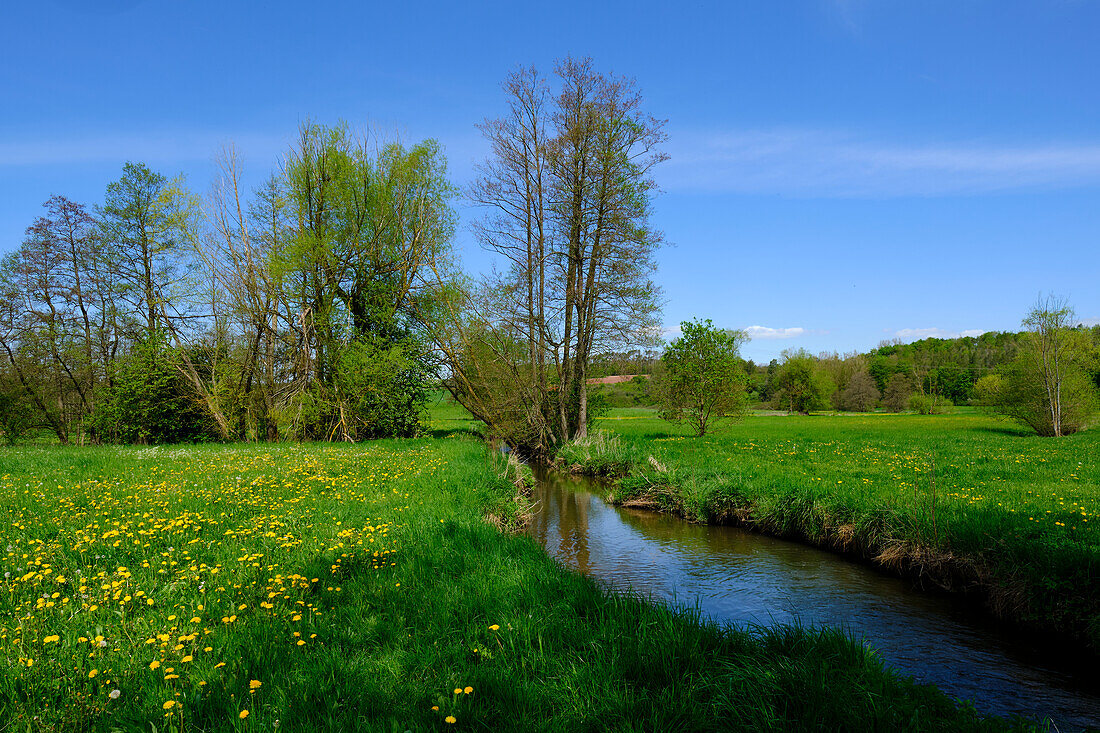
149 401
930 404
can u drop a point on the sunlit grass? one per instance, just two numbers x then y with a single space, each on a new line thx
360 587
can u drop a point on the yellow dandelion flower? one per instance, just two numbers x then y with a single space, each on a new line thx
450 719
243 714
168 704
254 684
154 664
468 690
494 627
458 691
187 659
93 673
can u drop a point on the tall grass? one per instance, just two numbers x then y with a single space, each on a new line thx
306 588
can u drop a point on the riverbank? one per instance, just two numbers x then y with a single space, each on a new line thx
324 587
957 502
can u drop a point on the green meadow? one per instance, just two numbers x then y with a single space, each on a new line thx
367 587
962 501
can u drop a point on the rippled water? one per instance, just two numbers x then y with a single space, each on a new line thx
740 577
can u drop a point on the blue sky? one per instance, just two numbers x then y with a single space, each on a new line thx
842 171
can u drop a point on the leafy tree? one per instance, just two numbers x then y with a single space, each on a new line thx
802 387
148 221
989 389
1048 386
703 382
898 391
861 394
374 229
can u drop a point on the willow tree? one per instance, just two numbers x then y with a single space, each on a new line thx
567 194
370 225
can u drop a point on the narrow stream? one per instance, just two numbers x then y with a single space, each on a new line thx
739 577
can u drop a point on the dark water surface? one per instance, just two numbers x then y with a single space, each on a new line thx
739 577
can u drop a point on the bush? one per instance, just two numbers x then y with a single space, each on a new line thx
381 389
930 404
149 401
16 416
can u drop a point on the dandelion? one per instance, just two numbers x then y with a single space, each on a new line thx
168 704
186 659
458 691
154 664
243 714
254 685
49 639
113 694
450 719
494 627
93 673
468 690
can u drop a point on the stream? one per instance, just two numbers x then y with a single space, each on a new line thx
739 577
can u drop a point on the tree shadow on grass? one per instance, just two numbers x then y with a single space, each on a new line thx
1005 430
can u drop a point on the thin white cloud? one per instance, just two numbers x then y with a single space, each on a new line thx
820 163
764 333
916 334
157 147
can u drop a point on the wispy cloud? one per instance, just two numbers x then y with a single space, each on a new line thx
156 147
916 334
820 163
764 333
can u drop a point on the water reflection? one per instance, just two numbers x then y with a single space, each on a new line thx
739 577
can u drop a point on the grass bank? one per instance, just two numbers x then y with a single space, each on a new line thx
320 587
963 502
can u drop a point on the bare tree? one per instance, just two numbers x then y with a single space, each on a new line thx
567 193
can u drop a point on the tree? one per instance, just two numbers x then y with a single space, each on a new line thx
704 382
1048 387
802 386
898 391
148 221
861 394
371 232
567 193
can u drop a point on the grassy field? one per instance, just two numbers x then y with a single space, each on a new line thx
333 587
961 500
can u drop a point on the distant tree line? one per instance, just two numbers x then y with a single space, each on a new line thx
1046 377
927 375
